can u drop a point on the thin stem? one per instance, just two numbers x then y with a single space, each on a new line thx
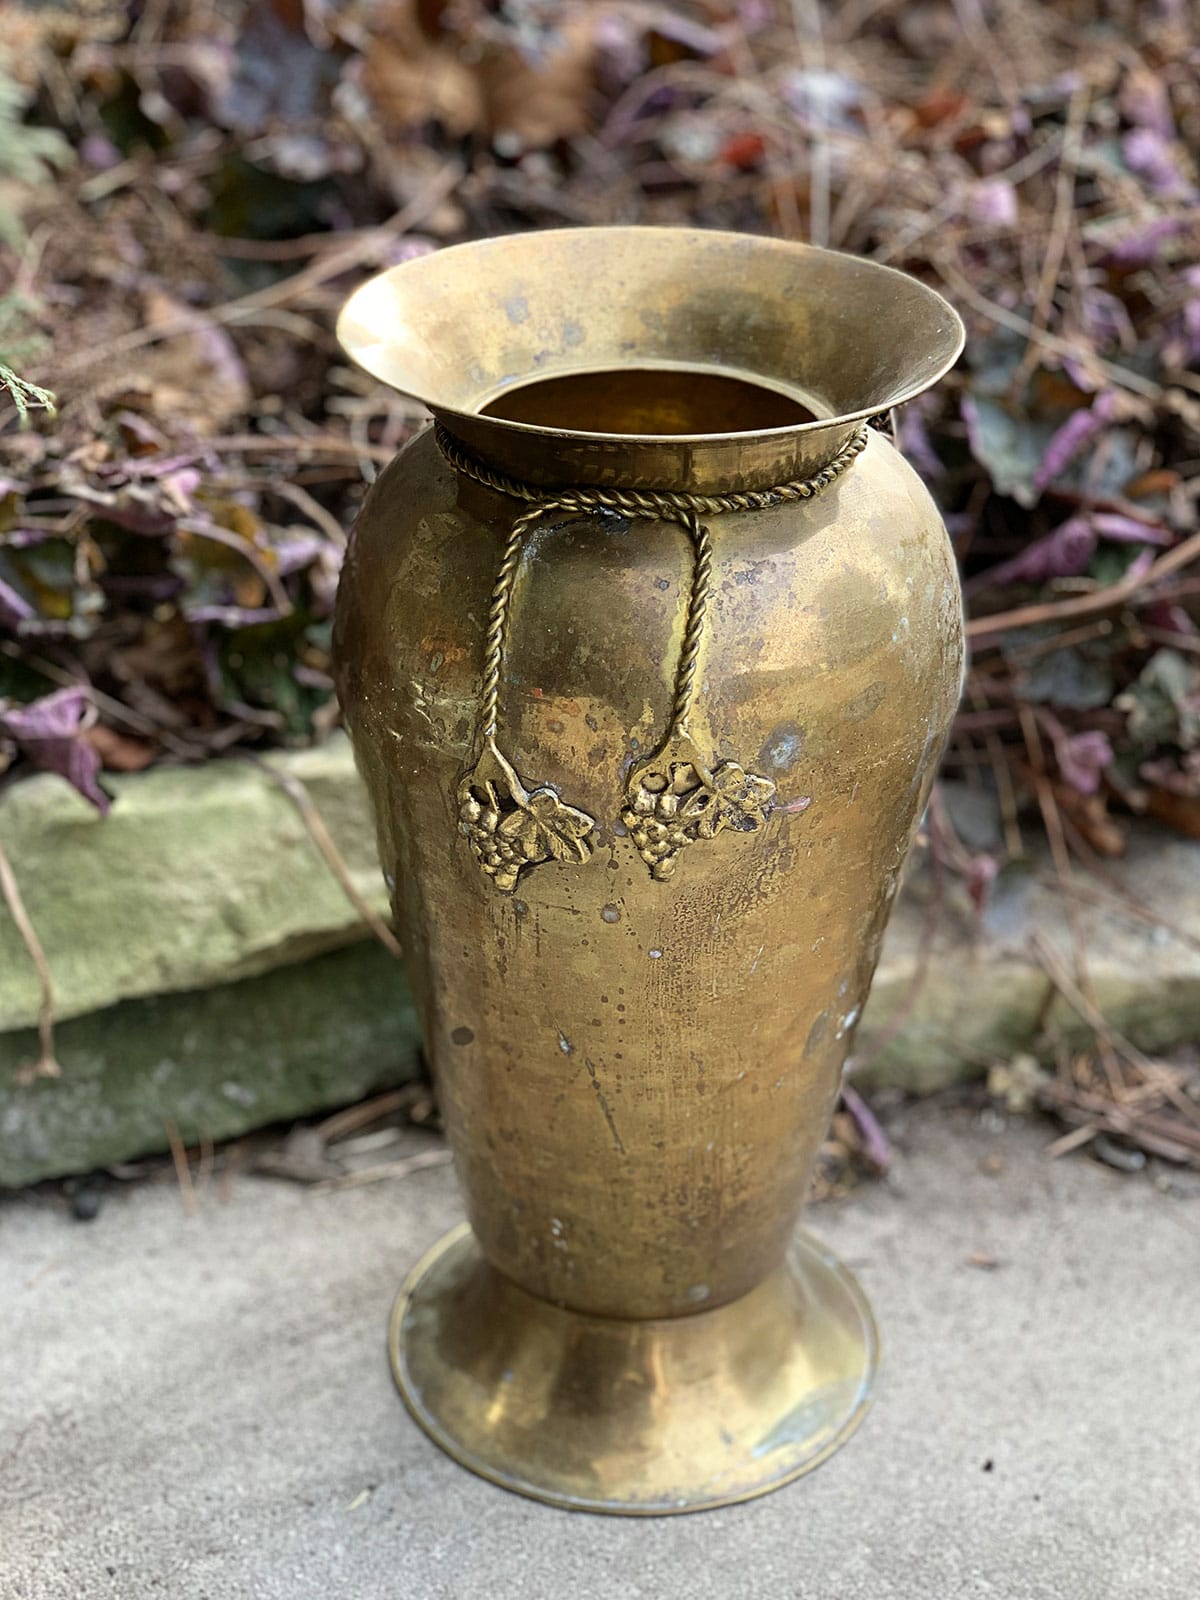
46 1065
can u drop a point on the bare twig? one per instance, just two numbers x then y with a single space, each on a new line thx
1084 1005
311 817
342 1123
312 508
46 1065
385 1170
294 443
1120 377
1061 223
332 264
183 1171
806 16
204 528
1115 594
1061 856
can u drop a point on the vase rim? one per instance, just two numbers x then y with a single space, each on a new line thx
460 328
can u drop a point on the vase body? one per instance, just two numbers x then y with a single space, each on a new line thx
636 1069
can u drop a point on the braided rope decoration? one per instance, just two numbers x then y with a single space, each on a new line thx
673 798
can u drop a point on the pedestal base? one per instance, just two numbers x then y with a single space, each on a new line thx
634 1418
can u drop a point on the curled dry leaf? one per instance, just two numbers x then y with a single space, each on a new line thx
51 733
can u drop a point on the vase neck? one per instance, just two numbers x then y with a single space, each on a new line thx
714 464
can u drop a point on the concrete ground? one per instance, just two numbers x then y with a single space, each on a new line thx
199 1408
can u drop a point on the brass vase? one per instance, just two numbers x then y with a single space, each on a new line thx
648 650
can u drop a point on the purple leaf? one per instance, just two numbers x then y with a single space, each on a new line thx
98 151
1082 758
993 201
296 551
1170 617
1140 565
1145 102
50 732
1128 530
1065 553
147 467
915 443
1143 245
231 616
1084 380
620 51
1066 443
1152 158
982 872
1191 317
1105 319
702 41
755 15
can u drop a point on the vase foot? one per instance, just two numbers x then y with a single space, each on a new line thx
635 1418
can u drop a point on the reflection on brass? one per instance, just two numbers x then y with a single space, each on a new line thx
637 1060
677 1414
626 400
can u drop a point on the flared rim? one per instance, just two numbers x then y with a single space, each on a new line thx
372 330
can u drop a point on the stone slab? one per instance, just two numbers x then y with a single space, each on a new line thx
978 990
197 876
201 1407
218 1063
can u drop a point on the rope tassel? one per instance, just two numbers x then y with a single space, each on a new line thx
673 799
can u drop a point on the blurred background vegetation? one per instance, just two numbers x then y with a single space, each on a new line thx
189 191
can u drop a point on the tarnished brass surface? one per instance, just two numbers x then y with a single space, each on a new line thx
643 1418
636 1067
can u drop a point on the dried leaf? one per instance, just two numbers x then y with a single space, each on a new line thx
117 751
50 733
1065 553
1068 678
1089 813
1082 759
14 608
1077 431
1008 442
1163 706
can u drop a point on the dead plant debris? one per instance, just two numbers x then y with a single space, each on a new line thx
189 191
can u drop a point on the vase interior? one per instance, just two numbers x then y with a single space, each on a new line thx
655 402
